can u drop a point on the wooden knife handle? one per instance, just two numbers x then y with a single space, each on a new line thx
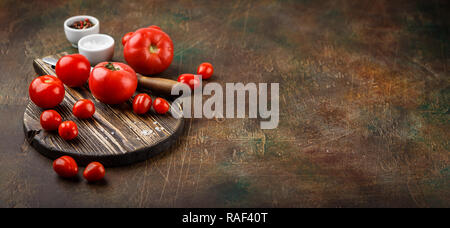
157 85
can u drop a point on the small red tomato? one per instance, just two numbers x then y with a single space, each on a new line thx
94 172
83 109
161 106
46 91
73 70
65 166
142 103
68 130
50 120
154 27
205 70
191 80
126 37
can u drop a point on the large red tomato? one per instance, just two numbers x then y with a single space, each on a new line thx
148 50
112 82
46 91
73 70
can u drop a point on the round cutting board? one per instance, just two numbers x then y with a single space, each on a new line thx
114 136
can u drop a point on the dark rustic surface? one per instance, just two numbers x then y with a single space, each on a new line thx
364 105
114 136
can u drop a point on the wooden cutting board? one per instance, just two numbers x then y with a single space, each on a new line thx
114 136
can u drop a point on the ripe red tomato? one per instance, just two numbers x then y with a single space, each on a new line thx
161 106
154 27
50 120
83 109
68 130
112 83
142 103
65 166
46 91
73 70
94 172
191 80
149 51
126 37
205 70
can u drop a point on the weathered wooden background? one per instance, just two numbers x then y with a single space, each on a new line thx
364 101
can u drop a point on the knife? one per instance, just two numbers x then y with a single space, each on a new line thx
157 85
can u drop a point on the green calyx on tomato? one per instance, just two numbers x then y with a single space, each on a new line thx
111 67
153 49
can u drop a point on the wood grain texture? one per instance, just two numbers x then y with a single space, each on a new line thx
364 100
114 136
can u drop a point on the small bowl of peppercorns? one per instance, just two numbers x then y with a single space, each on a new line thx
77 27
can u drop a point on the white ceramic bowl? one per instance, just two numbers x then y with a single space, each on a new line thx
97 48
74 35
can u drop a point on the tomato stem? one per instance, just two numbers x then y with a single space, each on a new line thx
153 49
110 66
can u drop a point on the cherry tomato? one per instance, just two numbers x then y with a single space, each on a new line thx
46 91
161 106
126 37
94 172
83 109
112 83
149 51
154 27
68 130
191 80
73 70
142 103
205 70
65 166
50 120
